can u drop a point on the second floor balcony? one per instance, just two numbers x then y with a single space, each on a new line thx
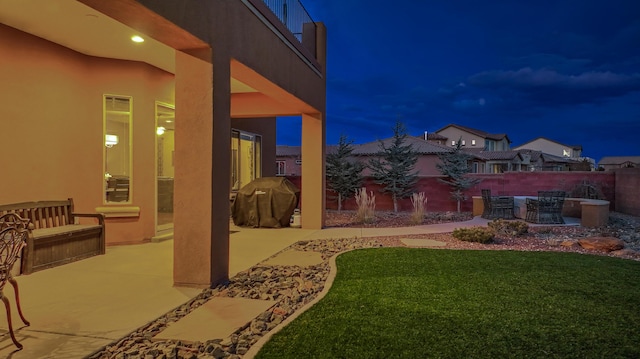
292 21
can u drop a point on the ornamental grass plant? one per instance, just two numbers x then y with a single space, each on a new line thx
419 202
366 206
432 303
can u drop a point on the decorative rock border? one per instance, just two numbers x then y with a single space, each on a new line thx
293 287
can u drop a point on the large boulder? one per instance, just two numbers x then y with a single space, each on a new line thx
605 244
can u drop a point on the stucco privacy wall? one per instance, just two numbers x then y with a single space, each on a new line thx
53 126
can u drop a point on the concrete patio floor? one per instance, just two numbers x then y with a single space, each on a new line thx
78 308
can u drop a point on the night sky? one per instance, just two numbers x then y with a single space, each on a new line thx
567 70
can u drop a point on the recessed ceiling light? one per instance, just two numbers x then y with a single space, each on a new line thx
136 38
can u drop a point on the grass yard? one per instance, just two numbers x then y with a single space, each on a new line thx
431 303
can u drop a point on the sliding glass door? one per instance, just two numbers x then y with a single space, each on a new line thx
165 142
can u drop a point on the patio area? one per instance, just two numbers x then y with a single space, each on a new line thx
78 308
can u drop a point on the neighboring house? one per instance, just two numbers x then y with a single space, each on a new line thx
540 161
288 156
498 161
612 162
428 153
434 137
552 147
288 161
473 138
490 153
86 107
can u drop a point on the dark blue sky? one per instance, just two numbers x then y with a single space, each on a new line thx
567 70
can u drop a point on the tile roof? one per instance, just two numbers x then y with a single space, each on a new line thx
618 160
535 155
296 151
498 155
557 159
419 145
432 136
479 133
288 151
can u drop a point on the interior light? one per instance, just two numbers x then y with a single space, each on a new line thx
160 130
136 38
110 140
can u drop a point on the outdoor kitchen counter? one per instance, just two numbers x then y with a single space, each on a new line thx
592 212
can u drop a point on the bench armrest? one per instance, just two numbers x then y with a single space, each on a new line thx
98 216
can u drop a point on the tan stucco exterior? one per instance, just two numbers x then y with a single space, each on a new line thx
54 101
552 147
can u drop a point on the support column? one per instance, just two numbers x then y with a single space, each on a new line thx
313 165
221 167
192 183
201 202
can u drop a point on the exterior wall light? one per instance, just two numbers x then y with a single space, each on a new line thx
160 131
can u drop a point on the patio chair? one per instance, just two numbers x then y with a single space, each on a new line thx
497 206
13 237
547 209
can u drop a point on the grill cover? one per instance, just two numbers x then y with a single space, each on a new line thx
265 202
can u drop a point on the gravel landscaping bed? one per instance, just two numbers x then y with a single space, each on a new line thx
293 287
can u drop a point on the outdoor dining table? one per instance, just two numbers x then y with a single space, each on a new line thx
520 206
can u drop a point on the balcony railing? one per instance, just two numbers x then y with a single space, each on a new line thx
292 14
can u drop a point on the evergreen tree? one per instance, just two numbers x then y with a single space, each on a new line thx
393 166
344 175
455 167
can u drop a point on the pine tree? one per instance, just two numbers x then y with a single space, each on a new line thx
393 166
344 175
455 167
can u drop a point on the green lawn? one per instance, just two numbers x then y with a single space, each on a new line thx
425 303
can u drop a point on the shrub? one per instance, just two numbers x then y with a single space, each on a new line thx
475 234
514 228
366 206
419 202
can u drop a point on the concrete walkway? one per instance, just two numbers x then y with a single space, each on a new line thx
80 307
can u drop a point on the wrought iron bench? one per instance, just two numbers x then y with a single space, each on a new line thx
55 238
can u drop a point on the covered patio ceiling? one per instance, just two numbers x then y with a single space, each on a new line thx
81 28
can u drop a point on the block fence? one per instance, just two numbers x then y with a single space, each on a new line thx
508 184
628 191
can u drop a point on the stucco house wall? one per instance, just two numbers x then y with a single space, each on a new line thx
213 42
455 134
54 112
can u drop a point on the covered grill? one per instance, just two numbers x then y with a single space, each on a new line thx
265 202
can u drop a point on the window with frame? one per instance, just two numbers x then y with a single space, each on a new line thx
117 149
281 168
